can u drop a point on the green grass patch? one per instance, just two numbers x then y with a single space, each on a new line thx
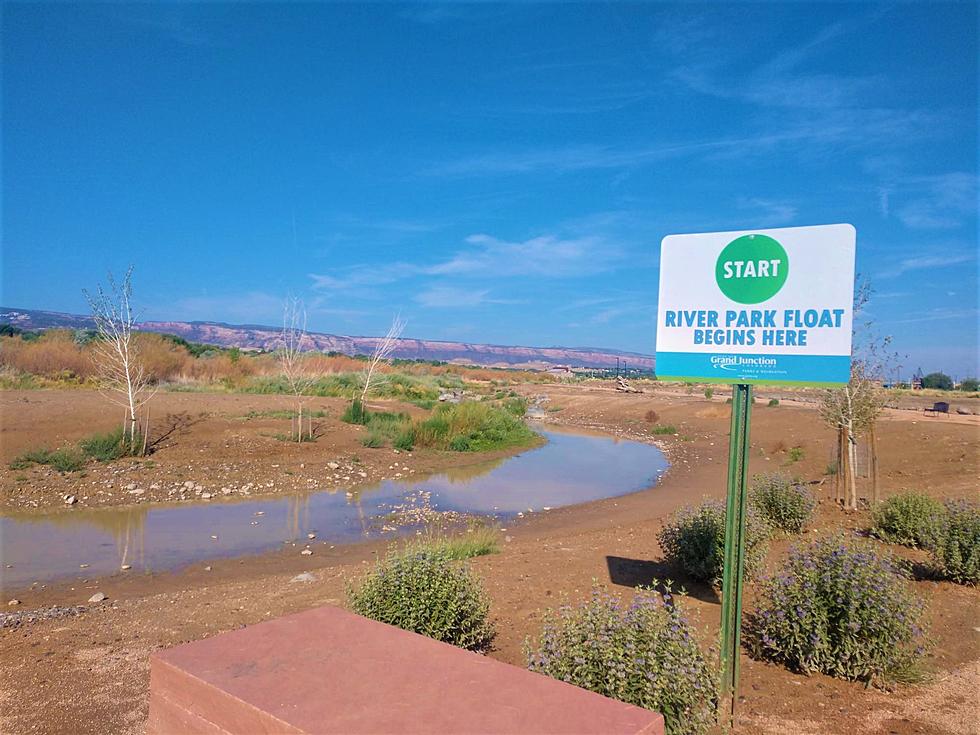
418 389
795 454
664 430
468 427
282 414
66 459
111 445
477 541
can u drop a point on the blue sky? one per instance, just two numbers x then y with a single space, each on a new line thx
495 173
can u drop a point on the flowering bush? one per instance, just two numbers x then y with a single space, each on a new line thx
956 553
422 589
839 608
643 653
784 505
694 540
909 518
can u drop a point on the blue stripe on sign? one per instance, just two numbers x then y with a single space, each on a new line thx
755 368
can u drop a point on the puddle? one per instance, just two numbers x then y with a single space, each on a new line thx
571 468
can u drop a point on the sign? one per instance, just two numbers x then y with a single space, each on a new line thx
759 306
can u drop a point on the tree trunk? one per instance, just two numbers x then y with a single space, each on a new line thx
851 470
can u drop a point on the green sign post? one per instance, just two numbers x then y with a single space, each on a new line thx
732 575
745 308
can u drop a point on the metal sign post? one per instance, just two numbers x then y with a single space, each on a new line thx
731 588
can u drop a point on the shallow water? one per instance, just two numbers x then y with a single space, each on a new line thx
571 468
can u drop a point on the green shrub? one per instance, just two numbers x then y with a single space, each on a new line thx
111 445
516 406
355 413
422 589
773 402
405 440
840 608
373 441
956 552
909 518
784 505
66 459
795 454
643 653
708 392
693 539
665 429
970 385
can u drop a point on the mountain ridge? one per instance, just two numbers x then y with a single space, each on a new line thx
262 337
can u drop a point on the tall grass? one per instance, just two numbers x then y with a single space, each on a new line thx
477 541
469 427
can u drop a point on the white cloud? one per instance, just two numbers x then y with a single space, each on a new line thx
452 297
940 202
925 262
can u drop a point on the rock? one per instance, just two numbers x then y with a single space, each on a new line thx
311 536
207 569
137 491
124 567
205 496
306 552
70 500
304 577
98 597
333 465
964 412
11 603
83 566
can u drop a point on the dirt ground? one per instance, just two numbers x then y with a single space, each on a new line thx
90 673
204 444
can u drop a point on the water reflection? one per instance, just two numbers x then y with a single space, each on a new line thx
570 468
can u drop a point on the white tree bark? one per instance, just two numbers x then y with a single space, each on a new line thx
123 377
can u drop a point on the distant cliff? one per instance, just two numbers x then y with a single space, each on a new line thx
265 338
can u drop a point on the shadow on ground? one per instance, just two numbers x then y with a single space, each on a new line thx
642 573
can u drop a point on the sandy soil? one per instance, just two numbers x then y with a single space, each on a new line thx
90 673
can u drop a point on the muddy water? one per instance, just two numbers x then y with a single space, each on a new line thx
570 468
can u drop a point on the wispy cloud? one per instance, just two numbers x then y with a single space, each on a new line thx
938 314
251 306
769 212
926 262
485 256
452 297
939 202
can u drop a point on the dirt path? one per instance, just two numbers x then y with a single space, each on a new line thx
90 673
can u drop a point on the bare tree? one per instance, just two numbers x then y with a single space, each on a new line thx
122 373
854 408
292 342
382 351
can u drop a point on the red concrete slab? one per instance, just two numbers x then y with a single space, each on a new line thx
329 671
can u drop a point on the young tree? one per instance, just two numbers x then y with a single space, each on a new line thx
292 341
853 409
939 381
382 351
123 376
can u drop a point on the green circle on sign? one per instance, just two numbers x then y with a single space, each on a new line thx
751 269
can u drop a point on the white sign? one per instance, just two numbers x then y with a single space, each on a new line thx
757 306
